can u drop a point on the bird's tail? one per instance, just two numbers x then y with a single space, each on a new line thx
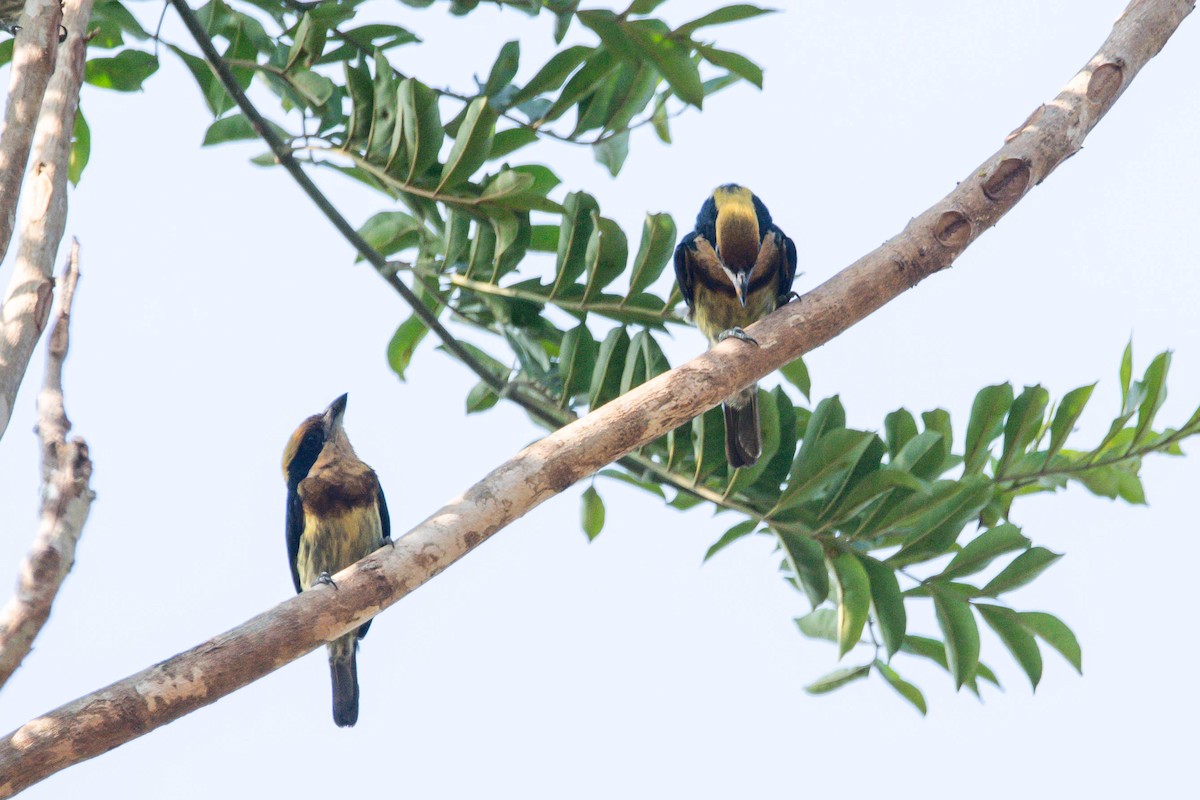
343 671
743 442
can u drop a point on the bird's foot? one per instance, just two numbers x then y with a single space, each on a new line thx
737 333
784 299
326 579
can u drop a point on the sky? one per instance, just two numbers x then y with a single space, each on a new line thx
217 309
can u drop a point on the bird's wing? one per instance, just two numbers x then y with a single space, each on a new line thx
787 262
683 267
295 527
385 521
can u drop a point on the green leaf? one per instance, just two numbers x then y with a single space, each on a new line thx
1067 415
899 428
315 89
905 689
1126 373
820 623
605 257
390 232
124 72
926 647
708 443
983 549
612 151
939 420
837 679
611 30
509 141
1019 641
577 361
384 112
822 466
671 57
934 529
362 105
722 16
481 398
81 148
986 423
594 71
1154 382
1021 570
658 242
853 600
807 560
580 212
421 125
471 144
308 42
736 63
610 364
631 98
962 635
796 373
730 536
552 75
505 68
403 345
505 185
229 129
889 603
1051 630
873 486
592 513
1024 421
922 455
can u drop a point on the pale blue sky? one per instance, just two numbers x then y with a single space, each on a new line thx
217 309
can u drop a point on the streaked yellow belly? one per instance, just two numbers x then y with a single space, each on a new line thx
331 544
715 312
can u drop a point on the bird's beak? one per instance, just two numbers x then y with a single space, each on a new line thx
332 418
741 281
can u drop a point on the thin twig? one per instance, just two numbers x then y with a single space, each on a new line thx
66 499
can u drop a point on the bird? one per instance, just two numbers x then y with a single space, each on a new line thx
10 13
736 267
336 515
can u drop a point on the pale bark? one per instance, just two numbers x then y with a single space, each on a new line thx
66 499
164 692
43 218
32 64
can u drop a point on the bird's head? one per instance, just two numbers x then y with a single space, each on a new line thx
739 229
319 433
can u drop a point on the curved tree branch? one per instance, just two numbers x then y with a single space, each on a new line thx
135 705
26 308
66 499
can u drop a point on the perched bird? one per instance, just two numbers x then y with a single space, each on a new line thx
736 267
336 515
10 12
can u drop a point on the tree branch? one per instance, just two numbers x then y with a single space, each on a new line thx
26 308
66 499
32 65
135 705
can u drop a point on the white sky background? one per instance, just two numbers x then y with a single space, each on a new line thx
218 309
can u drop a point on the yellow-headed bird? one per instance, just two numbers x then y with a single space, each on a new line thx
736 267
336 515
